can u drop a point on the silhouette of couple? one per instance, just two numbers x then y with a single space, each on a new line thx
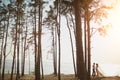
95 71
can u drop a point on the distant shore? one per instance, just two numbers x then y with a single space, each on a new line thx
63 77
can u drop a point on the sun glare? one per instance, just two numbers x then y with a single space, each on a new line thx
114 18
107 50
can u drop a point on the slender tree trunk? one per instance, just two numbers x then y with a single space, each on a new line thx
54 53
59 48
29 60
0 65
18 49
59 55
55 49
42 70
23 59
4 50
2 47
18 74
71 46
22 41
24 51
86 40
35 44
39 42
14 54
89 42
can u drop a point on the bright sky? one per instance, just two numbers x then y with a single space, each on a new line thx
104 49
107 49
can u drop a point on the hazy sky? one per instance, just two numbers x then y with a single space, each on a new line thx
107 49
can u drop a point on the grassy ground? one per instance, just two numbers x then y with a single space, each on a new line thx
63 77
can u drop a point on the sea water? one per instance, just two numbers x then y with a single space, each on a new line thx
110 69
66 68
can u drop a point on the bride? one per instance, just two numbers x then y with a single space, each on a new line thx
98 73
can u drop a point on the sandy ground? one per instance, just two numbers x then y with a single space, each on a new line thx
63 77
107 78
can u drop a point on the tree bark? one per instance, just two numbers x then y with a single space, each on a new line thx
72 47
35 44
18 45
4 49
89 44
23 56
59 47
79 46
39 42
14 53
54 53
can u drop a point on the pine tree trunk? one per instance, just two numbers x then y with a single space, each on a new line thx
4 50
35 41
42 70
22 53
39 43
18 49
86 40
2 47
79 46
58 33
23 56
89 44
0 65
71 47
55 49
54 53
14 54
